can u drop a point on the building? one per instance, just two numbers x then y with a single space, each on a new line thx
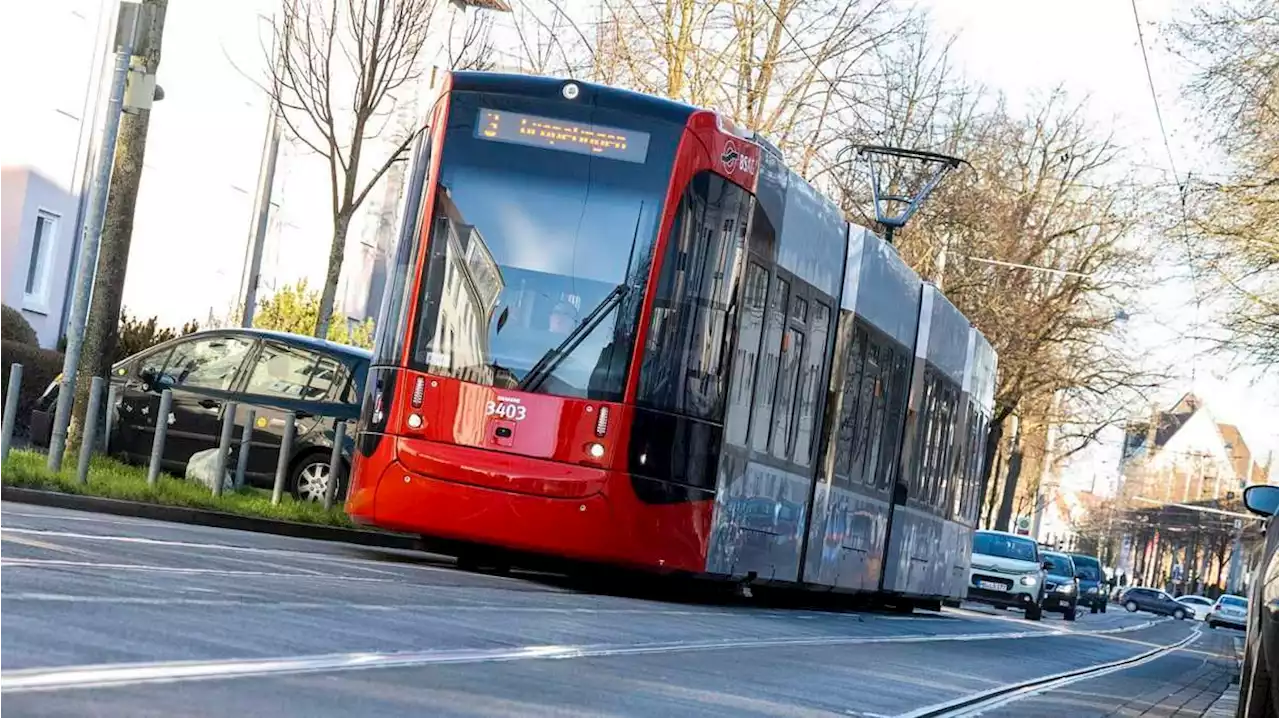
1184 455
37 221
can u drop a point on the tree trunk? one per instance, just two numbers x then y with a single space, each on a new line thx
101 332
337 250
995 432
1004 518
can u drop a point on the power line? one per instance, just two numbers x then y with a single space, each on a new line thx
1142 44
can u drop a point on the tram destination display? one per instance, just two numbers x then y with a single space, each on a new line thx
564 135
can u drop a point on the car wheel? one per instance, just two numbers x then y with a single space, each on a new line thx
1093 608
1069 614
1131 607
311 478
1179 614
1034 613
1213 624
1103 609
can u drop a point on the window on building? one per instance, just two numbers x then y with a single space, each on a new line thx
43 238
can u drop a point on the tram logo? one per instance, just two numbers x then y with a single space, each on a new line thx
734 161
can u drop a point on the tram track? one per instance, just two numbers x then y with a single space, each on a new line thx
976 704
126 674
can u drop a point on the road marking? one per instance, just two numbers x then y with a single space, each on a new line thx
978 703
107 675
41 562
360 563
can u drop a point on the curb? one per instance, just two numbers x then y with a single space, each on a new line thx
205 517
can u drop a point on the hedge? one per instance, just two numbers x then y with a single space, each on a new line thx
15 328
39 368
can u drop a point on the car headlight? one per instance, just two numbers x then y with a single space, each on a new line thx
1066 588
1027 580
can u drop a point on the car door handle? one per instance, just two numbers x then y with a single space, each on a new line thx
210 403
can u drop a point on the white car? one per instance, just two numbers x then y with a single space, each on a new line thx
1198 605
1007 571
1230 611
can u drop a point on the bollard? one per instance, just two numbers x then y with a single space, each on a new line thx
335 464
282 463
90 429
157 441
109 423
224 444
246 436
10 410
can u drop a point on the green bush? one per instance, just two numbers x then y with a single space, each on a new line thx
15 328
39 368
295 308
136 334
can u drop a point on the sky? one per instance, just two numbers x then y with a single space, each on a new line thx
1091 49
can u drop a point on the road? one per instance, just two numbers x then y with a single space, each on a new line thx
114 616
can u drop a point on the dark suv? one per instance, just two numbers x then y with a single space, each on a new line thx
1093 586
272 373
1061 589
1152 600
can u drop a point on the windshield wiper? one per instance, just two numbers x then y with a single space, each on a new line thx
554 356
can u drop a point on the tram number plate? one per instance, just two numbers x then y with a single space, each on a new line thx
992 586
513 412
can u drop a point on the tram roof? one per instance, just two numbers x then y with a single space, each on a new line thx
604 96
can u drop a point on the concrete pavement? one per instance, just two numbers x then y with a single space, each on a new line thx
352 630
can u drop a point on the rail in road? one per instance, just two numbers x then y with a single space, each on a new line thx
130 616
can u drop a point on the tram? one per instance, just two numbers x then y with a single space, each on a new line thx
620 330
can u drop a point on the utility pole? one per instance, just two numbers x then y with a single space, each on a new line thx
129 25
261 209
102 326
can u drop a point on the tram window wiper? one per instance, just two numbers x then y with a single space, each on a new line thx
548 362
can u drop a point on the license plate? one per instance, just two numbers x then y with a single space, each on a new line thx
992 586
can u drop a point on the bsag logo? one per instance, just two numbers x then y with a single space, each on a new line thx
733 160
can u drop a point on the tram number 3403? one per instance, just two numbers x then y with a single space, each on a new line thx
513 412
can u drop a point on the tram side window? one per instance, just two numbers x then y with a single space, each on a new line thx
743 381
866 397
852 381
770 353
788 381
809 381
896 404
683 367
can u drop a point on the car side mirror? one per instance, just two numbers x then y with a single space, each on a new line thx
1080 575
1262 499
1046 565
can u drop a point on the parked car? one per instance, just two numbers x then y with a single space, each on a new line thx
1093 584
1006 570
1258 684
1153 600
271 373
1061 588
1228 610
1198 605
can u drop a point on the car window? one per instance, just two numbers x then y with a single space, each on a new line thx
290 372
1061 564
209 363
1087 566
1233 601
1004 546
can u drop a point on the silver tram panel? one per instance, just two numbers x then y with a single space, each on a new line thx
923 558
846 538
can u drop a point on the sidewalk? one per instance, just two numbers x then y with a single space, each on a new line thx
1225 706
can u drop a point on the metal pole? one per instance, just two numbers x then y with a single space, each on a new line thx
126 31
224 444
335 464
246 436
109 424
10 410
157 441
1237 558
282 463
90 428
262 214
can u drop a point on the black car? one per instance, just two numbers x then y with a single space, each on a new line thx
270 373
1258 683
1061 589
1093 585
1153 600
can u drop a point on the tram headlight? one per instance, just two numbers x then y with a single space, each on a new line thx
595 450
415 421
1027 580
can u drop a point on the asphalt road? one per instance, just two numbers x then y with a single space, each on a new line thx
113 616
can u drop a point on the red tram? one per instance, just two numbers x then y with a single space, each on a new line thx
619 330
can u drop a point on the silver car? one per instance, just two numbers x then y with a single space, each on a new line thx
1230 611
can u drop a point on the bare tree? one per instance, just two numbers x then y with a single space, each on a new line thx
343 67
472 48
